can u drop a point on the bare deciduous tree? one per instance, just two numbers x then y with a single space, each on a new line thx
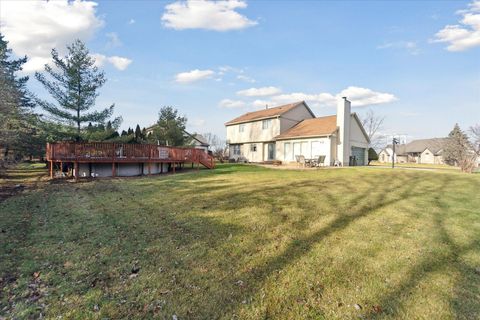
217 145
372 123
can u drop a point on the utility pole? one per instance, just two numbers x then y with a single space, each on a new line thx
394 142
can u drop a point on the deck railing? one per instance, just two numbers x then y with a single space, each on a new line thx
124 152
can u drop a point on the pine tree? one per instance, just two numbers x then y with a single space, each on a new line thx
138 134
16 105
74 85
457 146
170 128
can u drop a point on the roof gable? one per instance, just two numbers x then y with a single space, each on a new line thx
360 125
267 113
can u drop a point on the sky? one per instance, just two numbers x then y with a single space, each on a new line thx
417 63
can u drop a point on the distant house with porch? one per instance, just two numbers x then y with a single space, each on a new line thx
285 132
196 140
428 151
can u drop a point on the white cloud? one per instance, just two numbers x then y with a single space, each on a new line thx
194 75
227 103
202 14
131 21
361 97
113 40
316 100
410 46
259 92
245 78
464 35
261 103
225 69
119 63
33 28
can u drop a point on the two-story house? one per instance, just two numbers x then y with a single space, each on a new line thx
291 130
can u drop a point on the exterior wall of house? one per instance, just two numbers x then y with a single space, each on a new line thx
383 156
427 157
253 132
253 151
286 150
357 137
294 116
333 149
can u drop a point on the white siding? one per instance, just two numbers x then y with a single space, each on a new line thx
357 138
309 148
253 132
294 116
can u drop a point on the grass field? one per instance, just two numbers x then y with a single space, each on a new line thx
243 242
416 165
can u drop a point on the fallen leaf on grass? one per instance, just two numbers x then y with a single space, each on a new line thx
377 309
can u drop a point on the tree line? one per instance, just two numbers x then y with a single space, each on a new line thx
71 114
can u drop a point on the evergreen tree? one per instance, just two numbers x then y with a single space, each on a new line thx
170 128
17 121
130 131
138 134
457 147
74 85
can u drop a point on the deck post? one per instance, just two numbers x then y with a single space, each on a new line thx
174 167
113 169
149 168
75 165
161 167
51 169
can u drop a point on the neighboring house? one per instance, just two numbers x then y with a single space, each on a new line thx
291 130
198 141
428 151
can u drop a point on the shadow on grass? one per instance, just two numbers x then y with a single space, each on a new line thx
464 304
181 223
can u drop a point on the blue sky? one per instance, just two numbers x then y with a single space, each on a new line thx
415 62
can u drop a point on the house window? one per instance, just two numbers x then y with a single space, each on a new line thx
253 148
236 149
266 124
241 127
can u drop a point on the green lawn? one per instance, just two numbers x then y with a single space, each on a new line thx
416 165
243 242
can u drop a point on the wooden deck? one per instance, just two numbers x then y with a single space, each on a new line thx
116 153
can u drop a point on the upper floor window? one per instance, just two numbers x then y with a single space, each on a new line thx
266 124
241 127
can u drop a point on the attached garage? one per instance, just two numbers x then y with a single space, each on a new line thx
358 156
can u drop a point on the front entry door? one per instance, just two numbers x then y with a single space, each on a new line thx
271 151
